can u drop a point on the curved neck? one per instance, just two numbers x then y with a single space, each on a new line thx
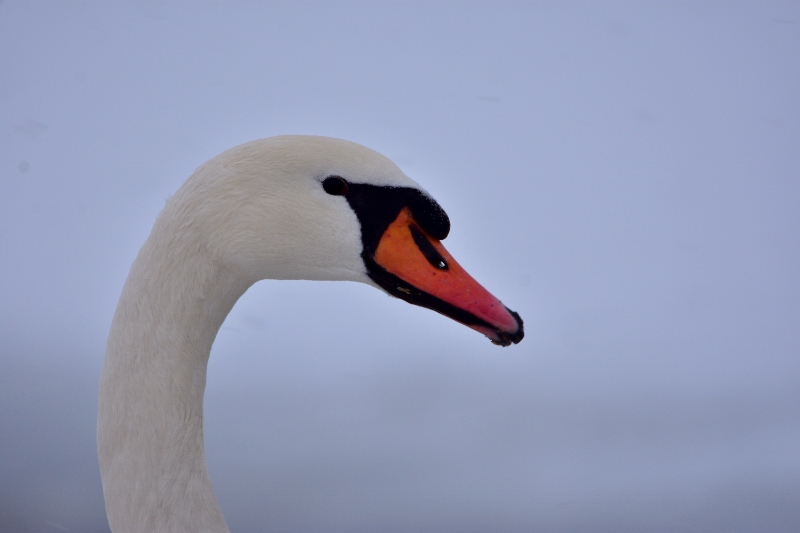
150 422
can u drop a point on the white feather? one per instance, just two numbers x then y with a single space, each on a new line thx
254 212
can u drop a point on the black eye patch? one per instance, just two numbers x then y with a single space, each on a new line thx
378 206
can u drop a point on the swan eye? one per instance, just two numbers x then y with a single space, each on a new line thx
335 185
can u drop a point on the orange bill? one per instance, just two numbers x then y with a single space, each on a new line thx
428 275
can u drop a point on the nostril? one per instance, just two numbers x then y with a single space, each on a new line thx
431 254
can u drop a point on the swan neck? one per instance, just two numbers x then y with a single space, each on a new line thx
150 424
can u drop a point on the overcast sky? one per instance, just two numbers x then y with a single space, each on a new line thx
625 176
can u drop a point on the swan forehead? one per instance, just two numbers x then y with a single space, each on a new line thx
318 157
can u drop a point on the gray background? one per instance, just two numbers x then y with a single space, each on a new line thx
623 175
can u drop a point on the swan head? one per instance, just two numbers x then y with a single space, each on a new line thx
318 208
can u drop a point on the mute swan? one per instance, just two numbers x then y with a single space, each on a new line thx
294 207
